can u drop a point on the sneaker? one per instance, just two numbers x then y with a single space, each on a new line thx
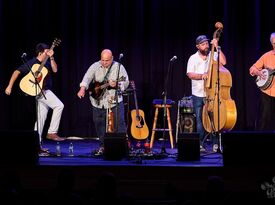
202 149
43 154
44 150
99 152
215 147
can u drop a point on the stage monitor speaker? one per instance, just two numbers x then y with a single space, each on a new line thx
187 123
248 148
188 147
115 146
19 147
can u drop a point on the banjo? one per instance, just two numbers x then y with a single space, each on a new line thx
265 81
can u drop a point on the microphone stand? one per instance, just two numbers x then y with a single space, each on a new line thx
116 93
36 93
164 103
219 103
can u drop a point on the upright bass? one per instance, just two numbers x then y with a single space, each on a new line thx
219 111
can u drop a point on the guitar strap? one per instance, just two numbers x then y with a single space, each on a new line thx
107 74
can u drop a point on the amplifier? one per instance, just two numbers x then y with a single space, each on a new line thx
186 105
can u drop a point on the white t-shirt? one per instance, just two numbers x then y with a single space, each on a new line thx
197 65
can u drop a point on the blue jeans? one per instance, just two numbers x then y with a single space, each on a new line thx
198 103
99 118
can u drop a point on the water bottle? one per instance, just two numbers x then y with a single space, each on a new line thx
71 149
58 149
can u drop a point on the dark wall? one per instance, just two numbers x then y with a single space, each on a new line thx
147 32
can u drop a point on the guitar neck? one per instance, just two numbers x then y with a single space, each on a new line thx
105 85
44 62
136 104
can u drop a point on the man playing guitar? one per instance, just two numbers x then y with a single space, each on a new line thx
45 98
105 73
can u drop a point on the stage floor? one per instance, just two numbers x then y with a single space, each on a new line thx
160 155
149 178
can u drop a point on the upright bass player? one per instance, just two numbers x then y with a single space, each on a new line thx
197 68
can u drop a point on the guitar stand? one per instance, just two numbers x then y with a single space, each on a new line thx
141 151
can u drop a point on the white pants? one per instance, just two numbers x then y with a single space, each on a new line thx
43 105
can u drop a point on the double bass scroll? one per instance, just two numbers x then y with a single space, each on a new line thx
219 112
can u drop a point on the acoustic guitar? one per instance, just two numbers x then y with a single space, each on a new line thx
139 128
265 81
97 89
29 83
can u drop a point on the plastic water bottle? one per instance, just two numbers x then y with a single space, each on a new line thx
71 149
58 149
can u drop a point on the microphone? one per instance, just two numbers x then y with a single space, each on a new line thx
120 56
23 55
174 58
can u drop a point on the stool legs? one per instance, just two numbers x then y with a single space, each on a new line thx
154 127
169 127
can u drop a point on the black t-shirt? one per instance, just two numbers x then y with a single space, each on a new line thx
25 69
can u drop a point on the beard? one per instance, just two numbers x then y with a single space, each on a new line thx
204 52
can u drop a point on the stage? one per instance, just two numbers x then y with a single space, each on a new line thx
147 178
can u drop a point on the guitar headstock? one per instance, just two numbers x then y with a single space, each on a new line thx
56 42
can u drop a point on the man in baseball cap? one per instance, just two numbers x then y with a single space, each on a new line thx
197 71
200 39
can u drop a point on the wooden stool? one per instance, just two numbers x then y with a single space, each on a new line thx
154 129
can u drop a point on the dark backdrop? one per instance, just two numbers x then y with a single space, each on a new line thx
147 32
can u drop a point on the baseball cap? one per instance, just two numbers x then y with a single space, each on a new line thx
200 39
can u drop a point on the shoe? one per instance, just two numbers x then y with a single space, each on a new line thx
99 152
54 137
215 147
44 154
202 149
44 150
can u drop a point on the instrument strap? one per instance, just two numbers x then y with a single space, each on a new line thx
107 74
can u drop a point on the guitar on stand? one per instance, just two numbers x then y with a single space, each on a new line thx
36 76
139 128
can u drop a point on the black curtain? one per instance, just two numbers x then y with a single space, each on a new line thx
148 32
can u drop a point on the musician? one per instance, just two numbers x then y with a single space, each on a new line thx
197 68
50 100
266 110
106 71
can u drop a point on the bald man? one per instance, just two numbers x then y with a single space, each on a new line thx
101 81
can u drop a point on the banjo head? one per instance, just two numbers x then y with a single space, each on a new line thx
265 81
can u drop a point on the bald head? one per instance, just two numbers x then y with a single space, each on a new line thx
106 52
106 58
